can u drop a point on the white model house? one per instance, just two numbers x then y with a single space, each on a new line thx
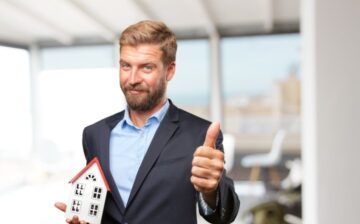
88 193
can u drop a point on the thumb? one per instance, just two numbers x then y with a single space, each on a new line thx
212 134
61 206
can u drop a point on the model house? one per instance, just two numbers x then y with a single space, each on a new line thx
88 193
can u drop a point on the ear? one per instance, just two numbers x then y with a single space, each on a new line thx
170 71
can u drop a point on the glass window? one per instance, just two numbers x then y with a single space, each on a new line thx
261 86
72 99
15 118
94 208
189 89
76 206
79 189
77 57
90 177
97 193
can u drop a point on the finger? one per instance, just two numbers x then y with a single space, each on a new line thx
204 185
212 134
205 173
212 164
75 220
202 162
61 206
203 151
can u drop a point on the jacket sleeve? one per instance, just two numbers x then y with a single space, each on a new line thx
87 154
228 204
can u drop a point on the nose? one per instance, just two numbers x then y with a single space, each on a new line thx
135 77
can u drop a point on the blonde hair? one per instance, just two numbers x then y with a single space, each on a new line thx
151 32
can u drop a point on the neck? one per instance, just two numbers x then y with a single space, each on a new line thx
139 118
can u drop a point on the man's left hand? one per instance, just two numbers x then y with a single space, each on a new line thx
208 166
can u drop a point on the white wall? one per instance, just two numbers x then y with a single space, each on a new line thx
331 111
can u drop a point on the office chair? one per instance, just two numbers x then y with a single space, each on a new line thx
229 150
266 160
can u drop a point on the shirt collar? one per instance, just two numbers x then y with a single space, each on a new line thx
158 116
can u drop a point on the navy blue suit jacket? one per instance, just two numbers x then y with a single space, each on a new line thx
162 191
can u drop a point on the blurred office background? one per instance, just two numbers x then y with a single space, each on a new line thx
281 76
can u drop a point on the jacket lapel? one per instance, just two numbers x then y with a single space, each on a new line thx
105 157
165 131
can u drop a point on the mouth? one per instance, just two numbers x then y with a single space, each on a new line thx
135 91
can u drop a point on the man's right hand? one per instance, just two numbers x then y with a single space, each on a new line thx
75 219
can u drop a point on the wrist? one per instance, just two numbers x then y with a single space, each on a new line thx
210 198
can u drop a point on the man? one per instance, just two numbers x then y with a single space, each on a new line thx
159 160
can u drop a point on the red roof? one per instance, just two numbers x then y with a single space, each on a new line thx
96 161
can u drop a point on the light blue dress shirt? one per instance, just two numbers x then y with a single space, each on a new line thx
128 145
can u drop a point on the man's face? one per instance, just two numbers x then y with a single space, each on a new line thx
143 77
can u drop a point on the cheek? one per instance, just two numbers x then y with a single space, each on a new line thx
122 78
121 81
148 81
154 81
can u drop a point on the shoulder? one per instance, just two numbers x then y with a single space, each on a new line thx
185 117
194 125
190 124
107 122
194 120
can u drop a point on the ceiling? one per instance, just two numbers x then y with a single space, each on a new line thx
72 22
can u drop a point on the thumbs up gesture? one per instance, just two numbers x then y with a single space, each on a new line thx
208 165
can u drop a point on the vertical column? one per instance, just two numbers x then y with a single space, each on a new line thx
331 111
310 203
116 55
268 15
216 99
34 96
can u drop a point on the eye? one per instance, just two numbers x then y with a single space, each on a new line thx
148 68
124 66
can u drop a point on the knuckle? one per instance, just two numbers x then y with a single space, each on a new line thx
213 183
221 166
220 154
200 149
209 184
195 161
218 165
217 175
194 170
197 151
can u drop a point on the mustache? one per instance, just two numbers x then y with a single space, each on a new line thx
135 88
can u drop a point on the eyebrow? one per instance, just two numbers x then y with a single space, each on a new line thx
141 64
123 61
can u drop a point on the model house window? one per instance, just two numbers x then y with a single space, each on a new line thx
79 190
76 206
90 177
97 193
93 209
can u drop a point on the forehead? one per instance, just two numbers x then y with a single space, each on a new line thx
141 53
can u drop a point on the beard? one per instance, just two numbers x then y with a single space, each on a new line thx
148 98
